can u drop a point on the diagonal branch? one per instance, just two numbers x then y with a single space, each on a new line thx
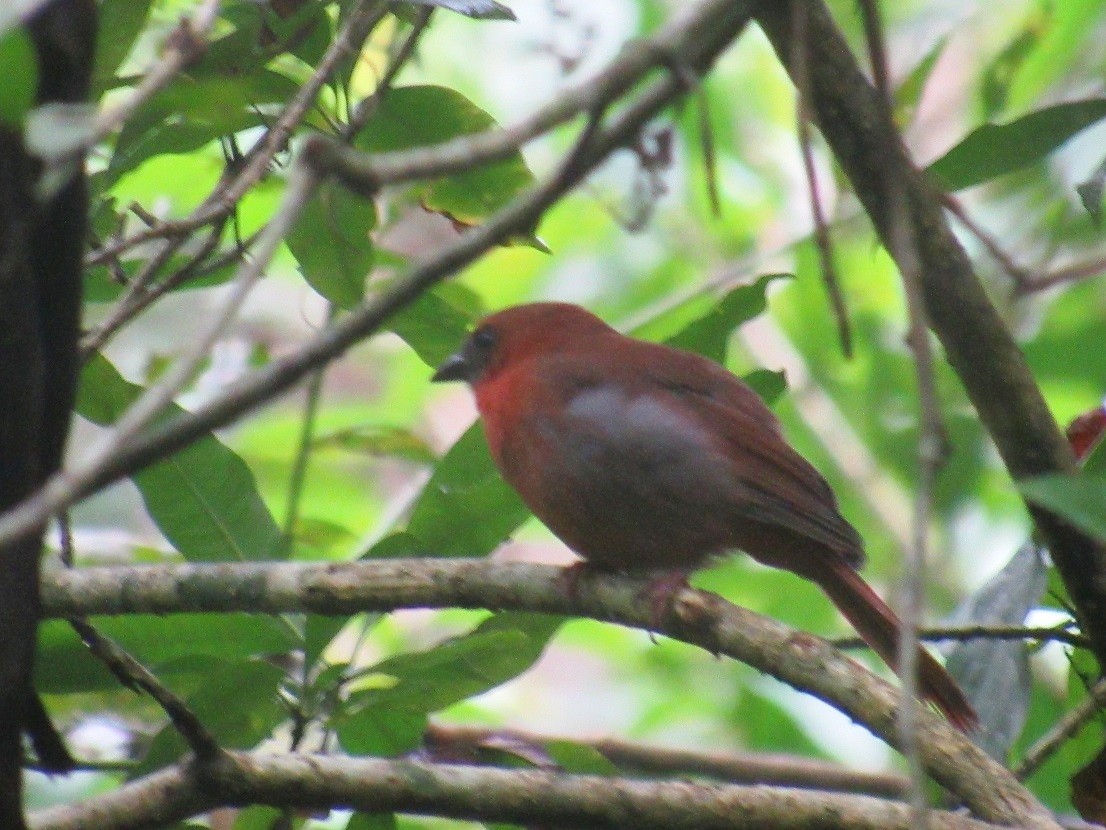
976 341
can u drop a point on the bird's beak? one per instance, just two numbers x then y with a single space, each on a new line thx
454 367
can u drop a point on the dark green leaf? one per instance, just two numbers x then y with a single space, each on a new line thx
1095 462
766 725
767 384
466 509
331 243
579 759
910 90
19 70
710 334
318 632
101 286
237 703
1079 498
259 817
415 116
996 149
204 498
191 114
158 639
1003 68
1090 193
432 327
391 718
120 22
64 665
373 821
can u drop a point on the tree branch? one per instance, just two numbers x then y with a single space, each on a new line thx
801 660
977 343
736 768
318 782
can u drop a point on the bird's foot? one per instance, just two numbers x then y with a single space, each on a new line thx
570 578
661 589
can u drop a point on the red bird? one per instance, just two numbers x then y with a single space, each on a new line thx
642 457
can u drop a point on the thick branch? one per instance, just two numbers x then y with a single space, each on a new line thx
801 660
317 782
976 341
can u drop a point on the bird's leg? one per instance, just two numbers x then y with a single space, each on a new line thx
659 592
570 578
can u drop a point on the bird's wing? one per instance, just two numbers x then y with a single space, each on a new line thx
774 484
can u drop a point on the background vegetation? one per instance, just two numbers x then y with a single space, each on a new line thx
276 305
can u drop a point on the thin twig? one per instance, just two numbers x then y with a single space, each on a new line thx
1076 272
1062 731
902 242
183 46
1020 275
298 478
822 242
745 768
132 674
937 634
222 202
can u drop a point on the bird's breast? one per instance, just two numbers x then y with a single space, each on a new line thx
626 480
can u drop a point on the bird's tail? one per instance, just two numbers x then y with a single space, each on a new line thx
879 627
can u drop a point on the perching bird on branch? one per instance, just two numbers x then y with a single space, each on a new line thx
642 457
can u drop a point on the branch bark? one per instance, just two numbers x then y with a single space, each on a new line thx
313 782
801 660
976 341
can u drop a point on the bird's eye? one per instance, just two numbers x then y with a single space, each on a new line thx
483 338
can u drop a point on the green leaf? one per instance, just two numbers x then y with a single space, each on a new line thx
237 703
331 243
64 665
390 718
1079 498
204 498
159 639
416 116
191 114
769 385
996 149
710 334
909 92
580 759
124 20
432 327
101 285
19 71
466 509
371 821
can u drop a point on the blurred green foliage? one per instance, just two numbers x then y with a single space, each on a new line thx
646 251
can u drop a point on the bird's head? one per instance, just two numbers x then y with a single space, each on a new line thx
516 334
